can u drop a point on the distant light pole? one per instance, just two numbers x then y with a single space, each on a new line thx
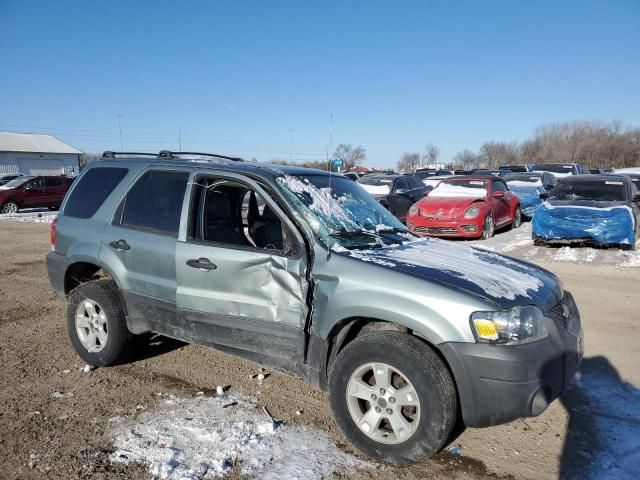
291 154
120 129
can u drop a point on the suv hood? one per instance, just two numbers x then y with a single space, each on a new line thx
503 280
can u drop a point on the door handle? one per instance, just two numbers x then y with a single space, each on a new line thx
203 264
119 244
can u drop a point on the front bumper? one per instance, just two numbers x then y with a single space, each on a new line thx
498 384
466 228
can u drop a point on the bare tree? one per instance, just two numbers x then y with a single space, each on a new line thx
494 154
430 155
409 162
353 157
466 159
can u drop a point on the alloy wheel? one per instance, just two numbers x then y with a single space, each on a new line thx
383 403
10 207
487 227
91 325
517 219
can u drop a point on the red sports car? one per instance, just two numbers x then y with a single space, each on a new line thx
465 206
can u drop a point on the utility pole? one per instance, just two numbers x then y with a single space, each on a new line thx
120 129
179 141
291 153
330 131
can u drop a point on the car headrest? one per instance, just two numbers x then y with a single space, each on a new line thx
253 213
268 215
218 207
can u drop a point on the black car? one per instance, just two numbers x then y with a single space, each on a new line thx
486 171
517 168
6 178
395 192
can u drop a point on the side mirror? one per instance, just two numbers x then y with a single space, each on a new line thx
544 195
636 198
498 194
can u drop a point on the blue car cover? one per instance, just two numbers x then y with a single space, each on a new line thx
604 225
529 198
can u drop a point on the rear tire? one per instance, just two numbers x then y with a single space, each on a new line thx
96 323
416 409
517 218
10 207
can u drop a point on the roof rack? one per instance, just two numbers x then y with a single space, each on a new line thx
170 154
110 154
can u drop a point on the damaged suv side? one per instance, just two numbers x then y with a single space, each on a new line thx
304 271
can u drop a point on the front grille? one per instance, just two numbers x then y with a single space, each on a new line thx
437 230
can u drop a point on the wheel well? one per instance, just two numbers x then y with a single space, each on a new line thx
81 272
347 330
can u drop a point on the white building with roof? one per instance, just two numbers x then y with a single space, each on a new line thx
32 154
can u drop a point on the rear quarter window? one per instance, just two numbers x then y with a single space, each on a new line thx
92 190
154 203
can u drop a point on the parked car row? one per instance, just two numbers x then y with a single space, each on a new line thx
475 206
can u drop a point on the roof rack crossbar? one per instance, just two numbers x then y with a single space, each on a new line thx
110 154
170 154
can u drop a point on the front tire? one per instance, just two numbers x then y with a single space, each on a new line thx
96 323
488 227
10 207
392 397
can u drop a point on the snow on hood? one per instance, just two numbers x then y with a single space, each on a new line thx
501 279
195 438
451 190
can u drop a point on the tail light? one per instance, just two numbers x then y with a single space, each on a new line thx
52 233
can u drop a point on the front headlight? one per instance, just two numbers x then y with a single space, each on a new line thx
508 327
413 210
472 212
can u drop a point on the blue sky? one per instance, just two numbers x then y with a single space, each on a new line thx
236 77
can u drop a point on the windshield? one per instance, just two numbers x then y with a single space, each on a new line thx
553 168
514 168
339 211
17 182
377 185
602 191
460 188
422 174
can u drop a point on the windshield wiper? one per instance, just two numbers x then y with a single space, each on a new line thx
354 233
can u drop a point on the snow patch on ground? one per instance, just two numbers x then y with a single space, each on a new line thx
189 438
518 242
32 217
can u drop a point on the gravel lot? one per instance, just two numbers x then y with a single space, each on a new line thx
55 419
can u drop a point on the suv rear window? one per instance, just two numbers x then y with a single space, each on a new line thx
155 202
92 190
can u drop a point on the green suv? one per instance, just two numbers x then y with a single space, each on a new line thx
304 271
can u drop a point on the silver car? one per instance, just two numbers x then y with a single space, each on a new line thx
313 276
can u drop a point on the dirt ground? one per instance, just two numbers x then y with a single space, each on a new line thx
64 436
